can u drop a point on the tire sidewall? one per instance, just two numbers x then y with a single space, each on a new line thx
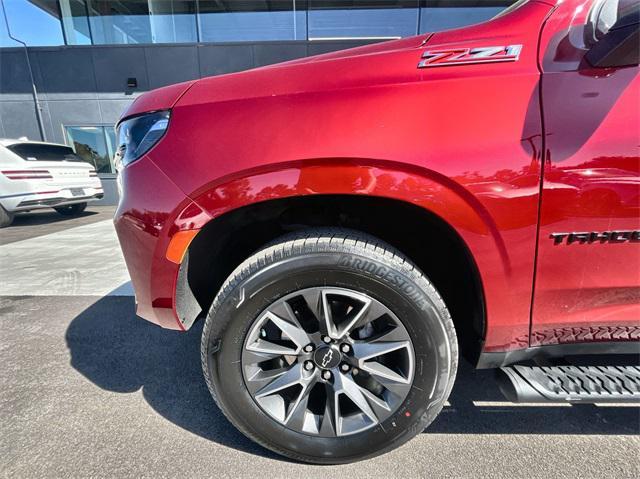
403 290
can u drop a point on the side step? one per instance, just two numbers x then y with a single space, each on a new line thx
585 384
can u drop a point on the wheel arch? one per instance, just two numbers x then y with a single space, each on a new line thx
421 216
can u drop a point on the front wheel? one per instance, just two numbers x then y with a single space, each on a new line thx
71 210
329 346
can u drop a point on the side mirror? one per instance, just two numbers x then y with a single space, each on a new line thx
620 45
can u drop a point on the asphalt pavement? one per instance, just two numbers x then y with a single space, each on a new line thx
47 221
87 389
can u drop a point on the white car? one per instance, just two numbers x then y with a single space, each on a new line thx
36 175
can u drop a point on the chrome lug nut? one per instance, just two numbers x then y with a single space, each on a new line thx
308 365
326 339
344 368
326 375
308 348
345 348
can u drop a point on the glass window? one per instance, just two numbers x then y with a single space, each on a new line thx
114 22
24 14
85 22
40 152
129 21
251 20
173 21
93 144
438 15
338 19
110 135
75 22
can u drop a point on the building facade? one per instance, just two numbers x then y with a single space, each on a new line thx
68 68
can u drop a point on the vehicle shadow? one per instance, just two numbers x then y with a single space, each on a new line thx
119 352
35 218
46 221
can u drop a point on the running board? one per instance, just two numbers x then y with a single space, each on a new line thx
585 384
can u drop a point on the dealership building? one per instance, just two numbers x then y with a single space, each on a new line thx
68 68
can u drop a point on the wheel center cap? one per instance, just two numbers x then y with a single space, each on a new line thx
327 357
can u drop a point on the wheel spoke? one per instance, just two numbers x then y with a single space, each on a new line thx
293 332
333 330
364 350
350 423
397 388
259 378
270 350
298 409
283 310
291 377
371 312
344 384
380 407
392 335
380 371
330 418
313 299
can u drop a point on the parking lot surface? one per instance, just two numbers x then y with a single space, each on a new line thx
47 221
88 389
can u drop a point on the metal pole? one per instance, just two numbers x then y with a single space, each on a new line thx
198 35
33 83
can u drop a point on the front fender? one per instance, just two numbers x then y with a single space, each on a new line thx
505 266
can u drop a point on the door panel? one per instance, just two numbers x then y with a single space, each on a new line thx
587 284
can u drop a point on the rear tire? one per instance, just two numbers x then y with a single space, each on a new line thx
71 210
330 263
6 217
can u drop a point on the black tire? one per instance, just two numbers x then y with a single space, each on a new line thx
71 210
6 217
340 258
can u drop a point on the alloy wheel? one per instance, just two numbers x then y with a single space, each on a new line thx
328 361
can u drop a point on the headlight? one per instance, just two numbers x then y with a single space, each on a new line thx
137 135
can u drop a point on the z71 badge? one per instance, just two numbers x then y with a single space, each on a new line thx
466 56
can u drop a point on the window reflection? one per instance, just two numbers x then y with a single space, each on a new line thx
437 15
76 22
130 21
173 21
85 22
120 22
94 144
226 21
339 19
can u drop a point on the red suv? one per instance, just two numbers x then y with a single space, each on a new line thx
348 224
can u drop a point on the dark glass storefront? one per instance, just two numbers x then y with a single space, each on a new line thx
110 22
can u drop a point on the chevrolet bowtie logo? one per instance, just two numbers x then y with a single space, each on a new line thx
326 359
